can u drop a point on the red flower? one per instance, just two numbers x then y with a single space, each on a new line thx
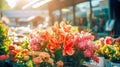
14 52
109 40
68 48
11 47
3 57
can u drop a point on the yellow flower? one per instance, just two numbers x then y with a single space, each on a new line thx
106 51
117 48
117 52
114 55
51 61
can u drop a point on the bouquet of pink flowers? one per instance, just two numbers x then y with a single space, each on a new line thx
61 43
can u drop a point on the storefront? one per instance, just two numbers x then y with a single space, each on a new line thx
76 12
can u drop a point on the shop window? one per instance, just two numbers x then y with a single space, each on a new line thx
100 14
67 14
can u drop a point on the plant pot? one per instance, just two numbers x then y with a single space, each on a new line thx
44 64
68 64
18 65
72 64
107 63
2 63
113 64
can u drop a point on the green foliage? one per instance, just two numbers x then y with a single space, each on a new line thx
45 64
29 63
4 39
25 44
58 55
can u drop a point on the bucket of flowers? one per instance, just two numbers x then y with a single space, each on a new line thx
115 58
63 46
109 49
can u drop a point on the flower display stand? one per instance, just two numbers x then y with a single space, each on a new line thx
101 62
17 65
115 64
107 63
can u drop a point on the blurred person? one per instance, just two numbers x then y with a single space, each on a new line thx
95 24
101 25
83 22
115 14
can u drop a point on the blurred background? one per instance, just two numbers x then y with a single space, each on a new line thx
102 17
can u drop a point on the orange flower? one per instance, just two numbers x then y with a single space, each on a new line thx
68 37
45 35
61 38
55 27
53 44
68 48
65 27
60 64
37 60
25 51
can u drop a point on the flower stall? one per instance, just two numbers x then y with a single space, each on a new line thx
57 46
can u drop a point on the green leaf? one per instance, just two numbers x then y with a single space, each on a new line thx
29 63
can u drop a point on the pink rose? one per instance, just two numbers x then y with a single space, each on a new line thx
88 53
4 57
31 35
34 44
